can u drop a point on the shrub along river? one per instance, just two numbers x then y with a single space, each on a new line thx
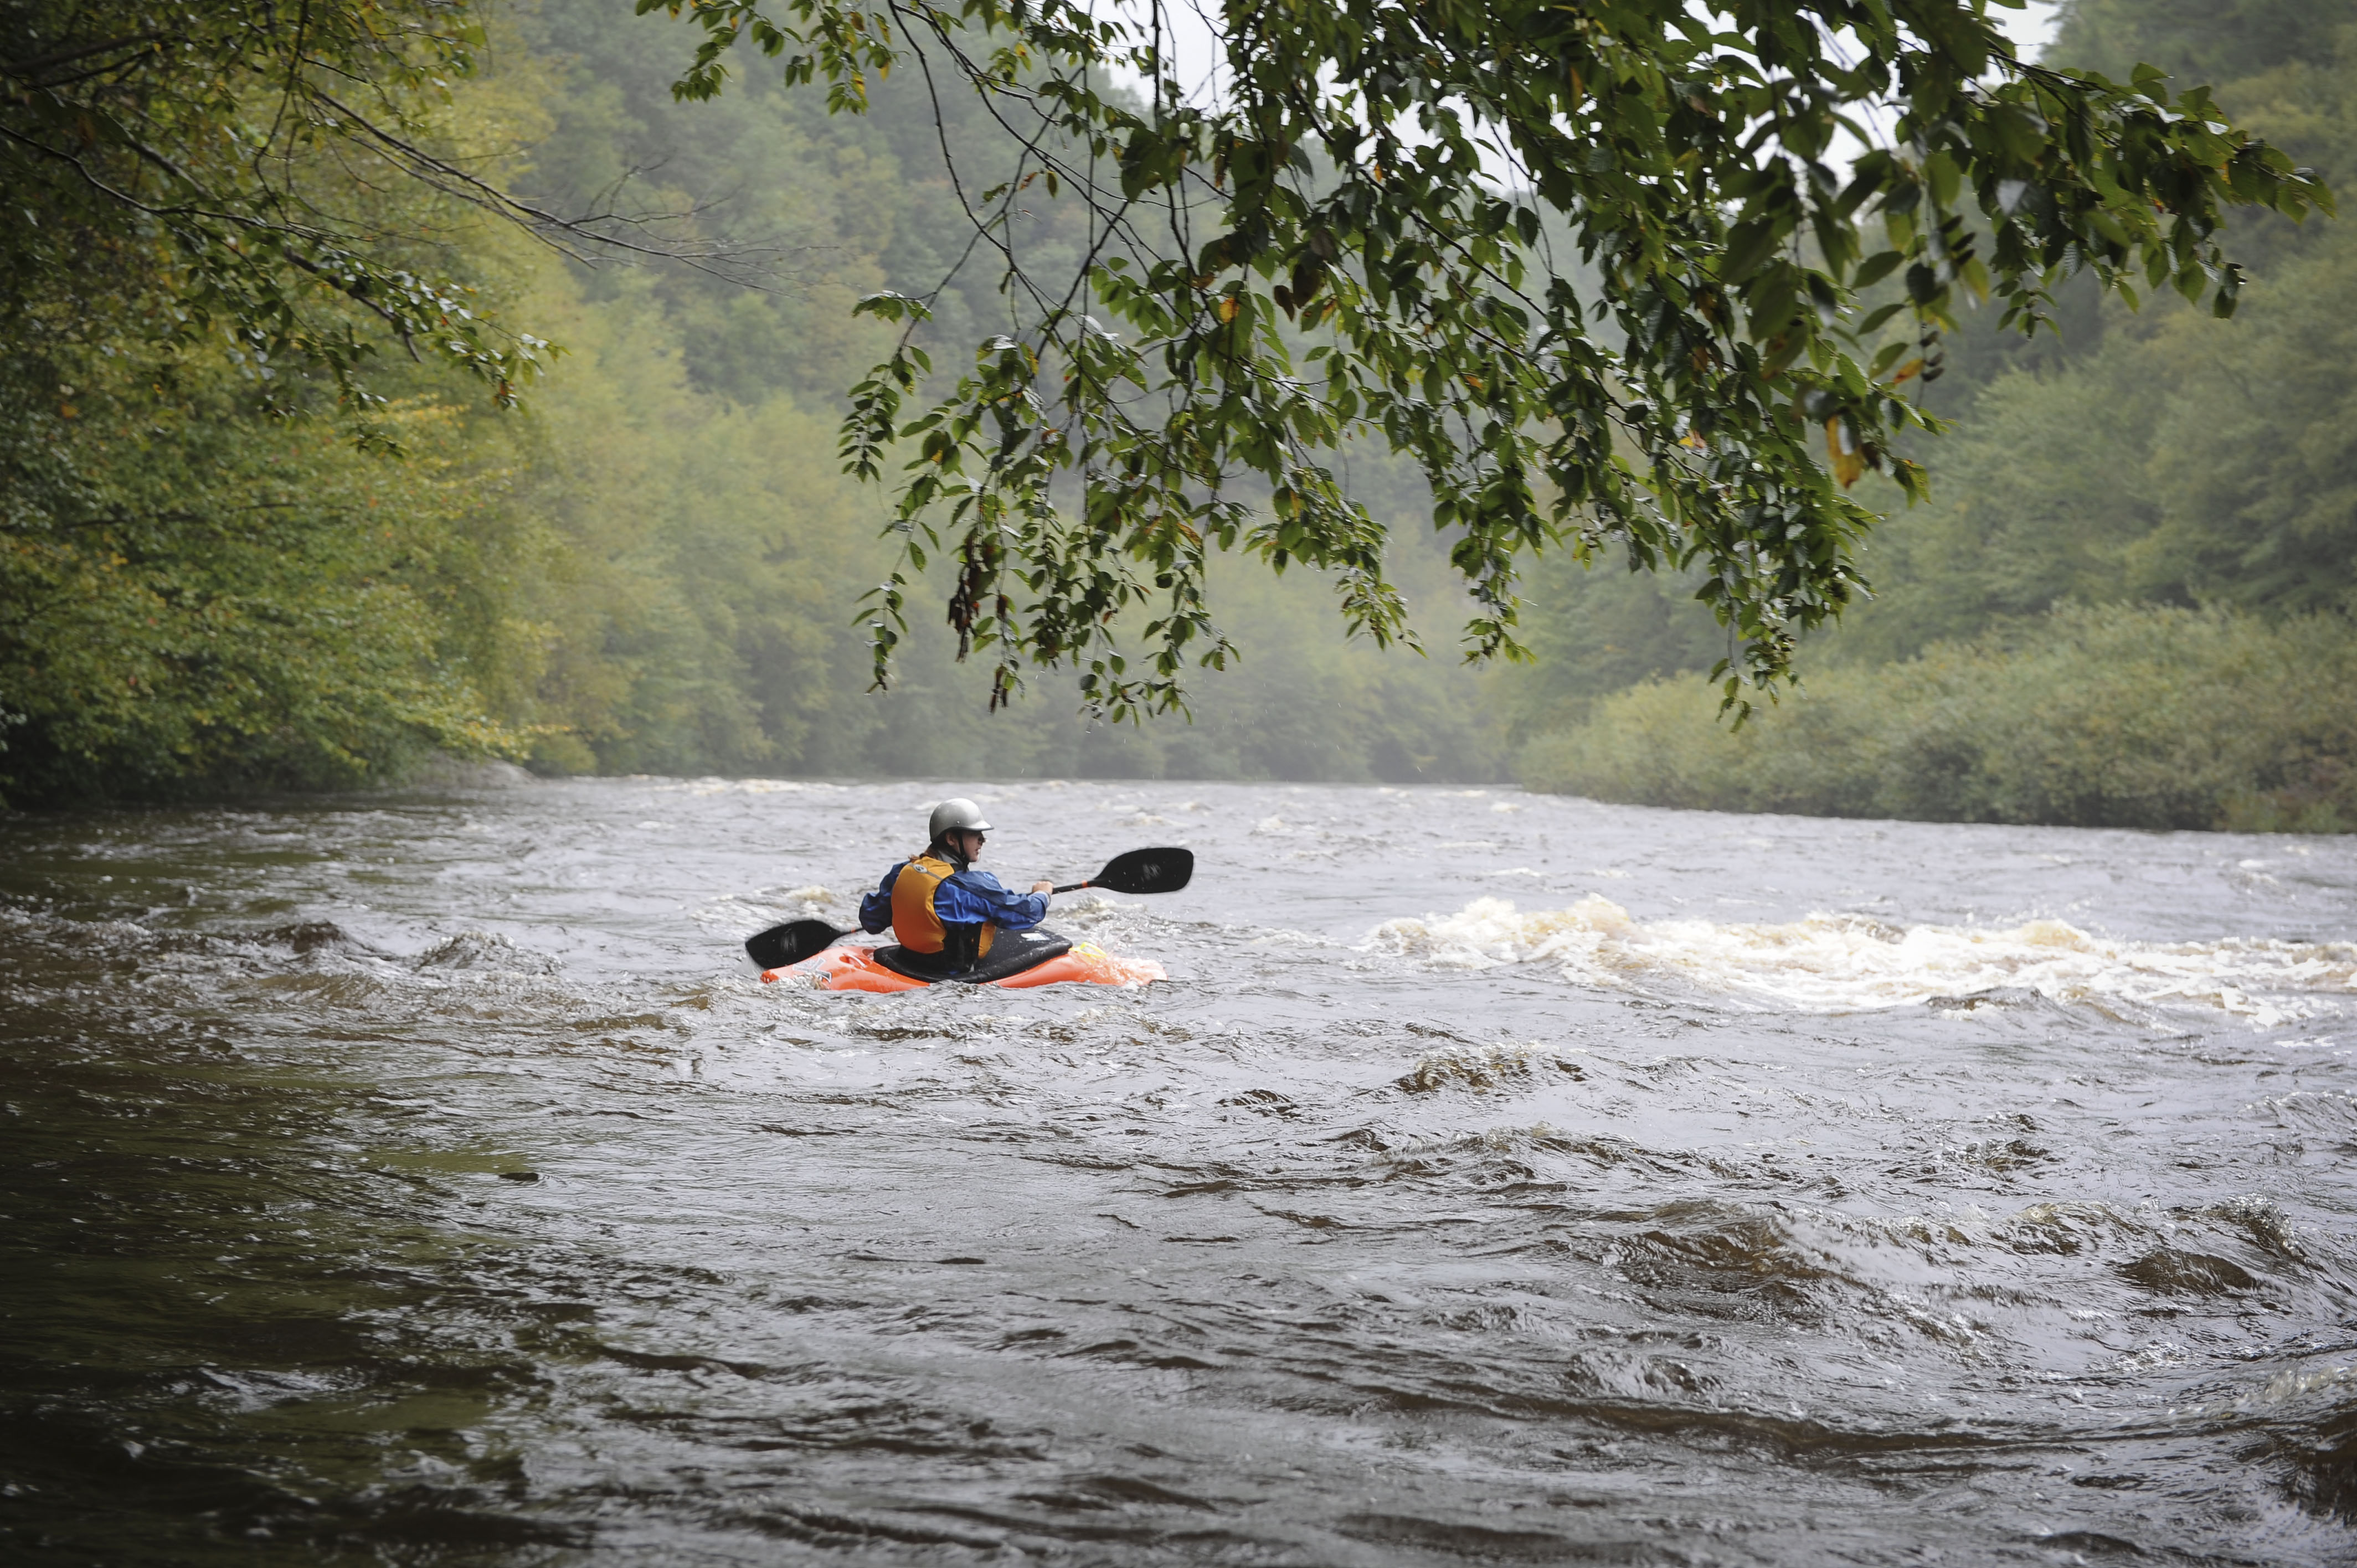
426 1178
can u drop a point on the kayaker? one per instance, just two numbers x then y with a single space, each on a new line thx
942 912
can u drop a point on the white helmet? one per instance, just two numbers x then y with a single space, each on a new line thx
956 816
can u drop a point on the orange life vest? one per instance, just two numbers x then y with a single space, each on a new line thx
919 926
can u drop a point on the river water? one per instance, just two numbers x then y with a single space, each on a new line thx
426 1179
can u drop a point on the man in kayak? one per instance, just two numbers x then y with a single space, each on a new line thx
944 913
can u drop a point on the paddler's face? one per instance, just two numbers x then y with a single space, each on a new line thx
969 844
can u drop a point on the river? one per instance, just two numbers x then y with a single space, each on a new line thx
425 1178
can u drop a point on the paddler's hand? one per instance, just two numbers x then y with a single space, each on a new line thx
1043 887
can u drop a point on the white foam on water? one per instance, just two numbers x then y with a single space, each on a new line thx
710 786
743 915
1842 963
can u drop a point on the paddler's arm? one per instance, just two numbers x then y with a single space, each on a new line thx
973 896
876 909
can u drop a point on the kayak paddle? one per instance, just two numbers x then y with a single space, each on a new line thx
791 943
1140 871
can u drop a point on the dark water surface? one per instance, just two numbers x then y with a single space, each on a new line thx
426 1179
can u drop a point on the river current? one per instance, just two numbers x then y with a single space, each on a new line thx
426 1178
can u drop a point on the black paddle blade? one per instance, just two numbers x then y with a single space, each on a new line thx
791 943
1146 871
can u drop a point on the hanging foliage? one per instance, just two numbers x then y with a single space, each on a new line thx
1632 276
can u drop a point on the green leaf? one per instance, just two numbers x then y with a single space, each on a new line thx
1878 318
1877 267
1747 245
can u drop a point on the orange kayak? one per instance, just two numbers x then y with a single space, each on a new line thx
855 968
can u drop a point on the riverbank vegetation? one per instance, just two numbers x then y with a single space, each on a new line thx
2126 715
231 562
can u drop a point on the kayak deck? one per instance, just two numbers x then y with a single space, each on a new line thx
855 968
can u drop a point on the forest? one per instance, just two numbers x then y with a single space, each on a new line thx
2124 601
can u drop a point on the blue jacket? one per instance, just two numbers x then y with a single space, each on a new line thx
969 897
